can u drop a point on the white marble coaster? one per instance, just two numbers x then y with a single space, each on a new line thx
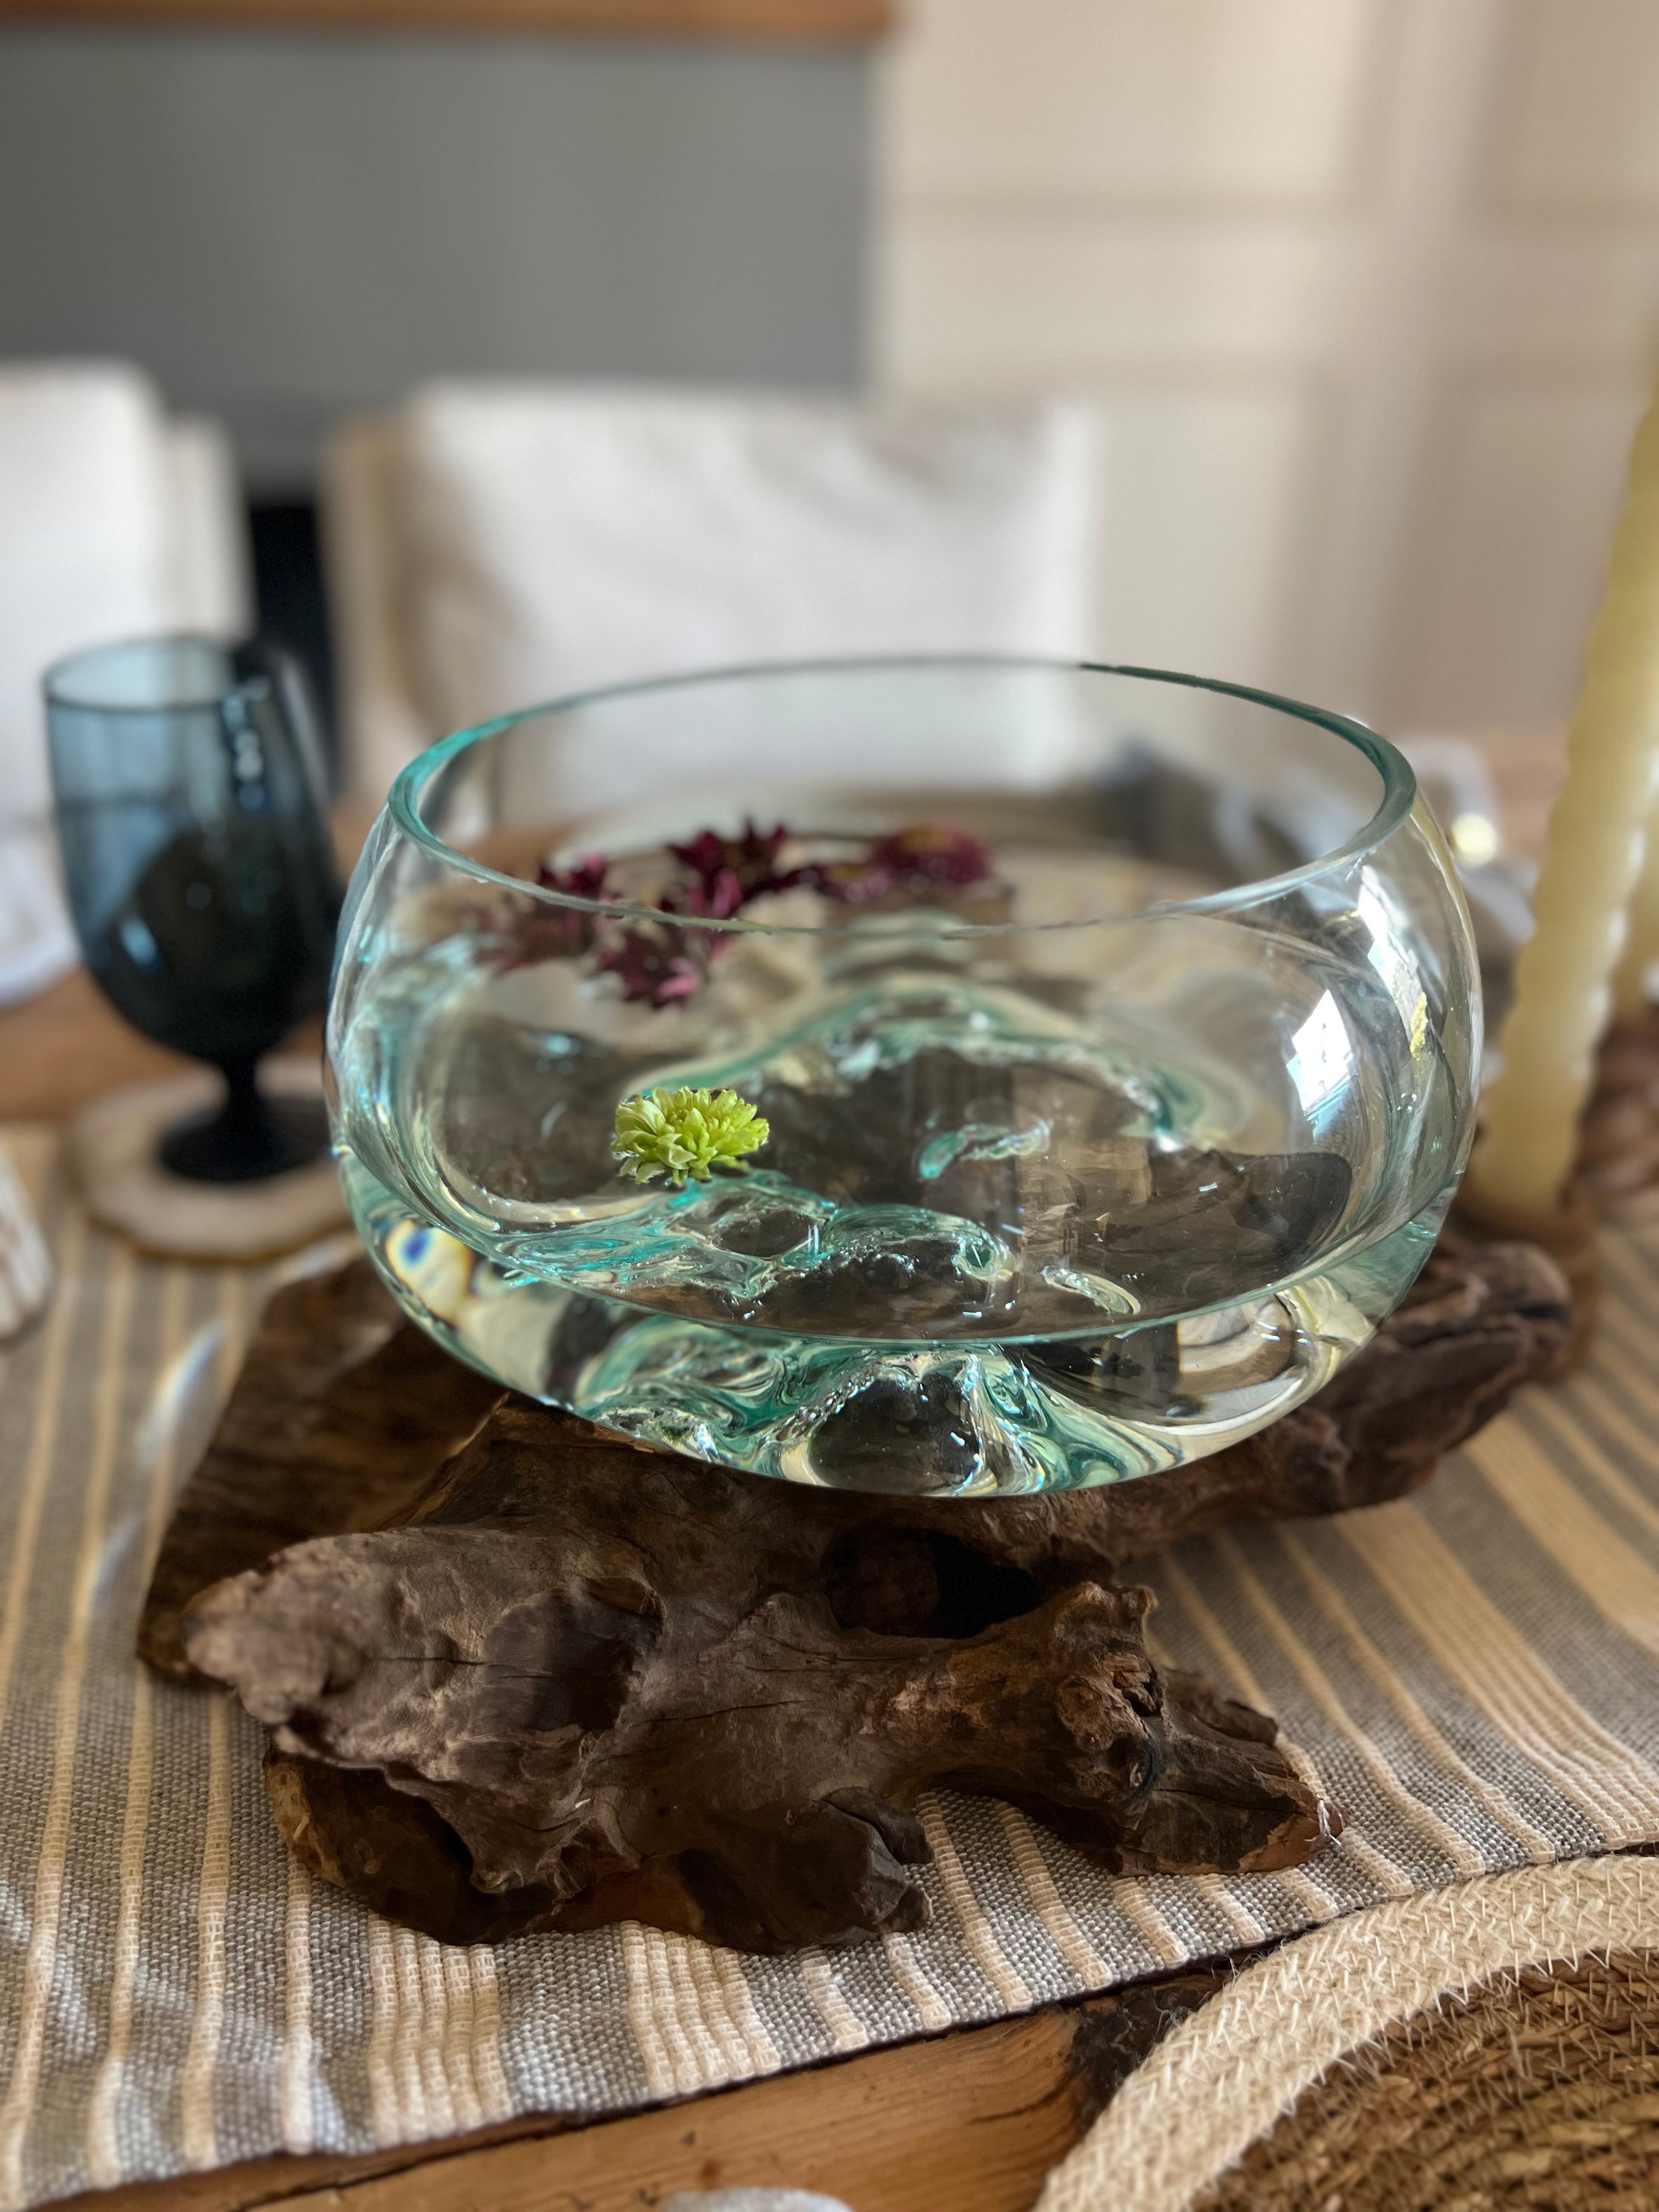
111 1150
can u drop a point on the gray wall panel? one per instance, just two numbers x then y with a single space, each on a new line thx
284 226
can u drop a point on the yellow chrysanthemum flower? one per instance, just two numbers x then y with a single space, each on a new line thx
682 1134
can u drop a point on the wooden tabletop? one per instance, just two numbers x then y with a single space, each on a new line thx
972 2119
62 1048
794 22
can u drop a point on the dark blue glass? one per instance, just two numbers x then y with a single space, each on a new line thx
190 814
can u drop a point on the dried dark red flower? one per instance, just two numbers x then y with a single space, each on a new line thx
932 853
658 963
928 855
714 898
586 880
541 932
747 863
662 964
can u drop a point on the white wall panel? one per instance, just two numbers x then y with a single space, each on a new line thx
996 299
1517 522
1368 290
1200 517
1576 291
1577 119
1179 101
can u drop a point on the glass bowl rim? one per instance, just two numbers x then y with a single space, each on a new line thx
1398 800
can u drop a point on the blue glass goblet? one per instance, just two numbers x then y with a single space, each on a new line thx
190 791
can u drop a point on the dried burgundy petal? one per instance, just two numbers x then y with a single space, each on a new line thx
586 880
931 852
661 964
656 962
553 932
853 882
750 860
908 859
717 898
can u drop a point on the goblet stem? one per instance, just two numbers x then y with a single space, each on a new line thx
250 1136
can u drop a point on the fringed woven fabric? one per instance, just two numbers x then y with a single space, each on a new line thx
1474 1675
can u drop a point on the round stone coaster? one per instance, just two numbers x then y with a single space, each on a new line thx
112 1151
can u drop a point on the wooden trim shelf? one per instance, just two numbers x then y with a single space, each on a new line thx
795 21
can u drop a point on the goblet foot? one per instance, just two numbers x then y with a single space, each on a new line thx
248 1138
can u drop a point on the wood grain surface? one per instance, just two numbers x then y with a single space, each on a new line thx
66 1045
797 21
972 2120
760 1763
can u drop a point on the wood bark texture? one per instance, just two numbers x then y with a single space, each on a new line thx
551 1679
1618 1140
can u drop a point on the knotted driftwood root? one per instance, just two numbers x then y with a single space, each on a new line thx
342 1414
1616 1179
1619 1137
560 1680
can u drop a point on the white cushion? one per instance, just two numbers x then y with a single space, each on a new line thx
384 720
551 540
112 523
83 540
209 585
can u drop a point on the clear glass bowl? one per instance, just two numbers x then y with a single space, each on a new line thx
1115 1032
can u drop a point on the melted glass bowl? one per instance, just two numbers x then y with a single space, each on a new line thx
1115 1033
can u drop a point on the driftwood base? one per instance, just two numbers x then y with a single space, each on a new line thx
556 1679
1568 1234
1619 1137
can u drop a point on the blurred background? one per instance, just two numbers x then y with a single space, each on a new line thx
1364 293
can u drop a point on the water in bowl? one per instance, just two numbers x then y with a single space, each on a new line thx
1035 1211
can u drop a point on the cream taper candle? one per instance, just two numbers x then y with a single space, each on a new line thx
1597 835
1641 953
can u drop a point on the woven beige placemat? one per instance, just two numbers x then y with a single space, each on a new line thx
1495 2042
1474 1673
1535 2091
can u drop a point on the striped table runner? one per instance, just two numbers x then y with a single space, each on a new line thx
1474 1675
